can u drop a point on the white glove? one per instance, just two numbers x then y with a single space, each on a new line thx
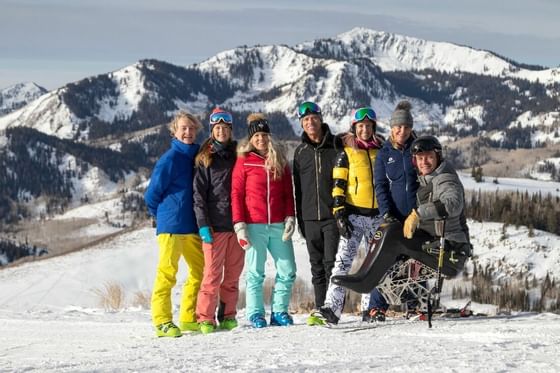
289 228
242 235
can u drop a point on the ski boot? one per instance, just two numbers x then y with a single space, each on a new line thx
207 327
228 324
377 314
189 326
257 320
325 316
168 329
281 319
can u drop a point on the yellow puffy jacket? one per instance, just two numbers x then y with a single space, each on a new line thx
354 180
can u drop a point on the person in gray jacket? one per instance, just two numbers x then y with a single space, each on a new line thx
440 197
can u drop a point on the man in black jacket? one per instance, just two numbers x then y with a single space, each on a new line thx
313 164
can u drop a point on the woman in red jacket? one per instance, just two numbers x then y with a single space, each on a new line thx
263 216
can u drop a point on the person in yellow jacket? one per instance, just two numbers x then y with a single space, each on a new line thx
355 207
169 198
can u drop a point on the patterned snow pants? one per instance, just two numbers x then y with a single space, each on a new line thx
364 227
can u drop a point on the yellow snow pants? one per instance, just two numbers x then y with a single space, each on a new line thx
171 248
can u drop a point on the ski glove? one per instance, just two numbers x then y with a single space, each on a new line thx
344 225
388 218
410 224
206 234
289 228
242 235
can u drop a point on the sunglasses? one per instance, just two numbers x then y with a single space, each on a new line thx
363 113
308 107
222 116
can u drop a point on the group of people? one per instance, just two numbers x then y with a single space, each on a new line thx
224 206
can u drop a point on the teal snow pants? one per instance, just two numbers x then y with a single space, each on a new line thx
263 238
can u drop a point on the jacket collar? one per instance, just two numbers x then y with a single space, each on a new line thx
327 136
181 147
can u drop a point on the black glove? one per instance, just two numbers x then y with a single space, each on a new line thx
344 226
389 218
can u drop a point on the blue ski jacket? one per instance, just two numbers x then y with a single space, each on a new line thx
169 196
396 180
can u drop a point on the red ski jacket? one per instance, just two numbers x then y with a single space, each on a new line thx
256 198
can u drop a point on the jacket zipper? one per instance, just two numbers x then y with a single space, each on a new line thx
372 180
268 194
317 172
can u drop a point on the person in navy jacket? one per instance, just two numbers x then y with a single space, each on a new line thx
396 183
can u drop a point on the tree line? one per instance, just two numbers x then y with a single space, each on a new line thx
515 208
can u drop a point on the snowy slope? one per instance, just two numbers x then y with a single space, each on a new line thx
19 95
404 53
51 322
77 341
52 115
48 114
338 73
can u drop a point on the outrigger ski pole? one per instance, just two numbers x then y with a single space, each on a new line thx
436 290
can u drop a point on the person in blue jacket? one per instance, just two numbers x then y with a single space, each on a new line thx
396 183
169 199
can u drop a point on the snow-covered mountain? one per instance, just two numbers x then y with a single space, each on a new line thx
19 95
393 52
456 89
114 121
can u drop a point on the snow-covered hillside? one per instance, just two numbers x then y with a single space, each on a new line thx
19 95
353 69
404 53
52 321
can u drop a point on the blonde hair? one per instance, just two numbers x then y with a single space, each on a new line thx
275 159
184 115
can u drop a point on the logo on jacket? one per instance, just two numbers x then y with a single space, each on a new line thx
390 160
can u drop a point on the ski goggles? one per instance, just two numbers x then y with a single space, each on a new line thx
221 116
362 113
307 108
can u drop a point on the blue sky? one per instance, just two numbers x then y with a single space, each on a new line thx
53 42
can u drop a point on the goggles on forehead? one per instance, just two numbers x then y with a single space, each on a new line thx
308 107
362 113
222 116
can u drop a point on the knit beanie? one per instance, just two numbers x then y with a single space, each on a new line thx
401 116
257 123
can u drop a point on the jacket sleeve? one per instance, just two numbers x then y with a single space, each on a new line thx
288 191
447 198
382 186
159 182
238 180
201 186
340 180
297 189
